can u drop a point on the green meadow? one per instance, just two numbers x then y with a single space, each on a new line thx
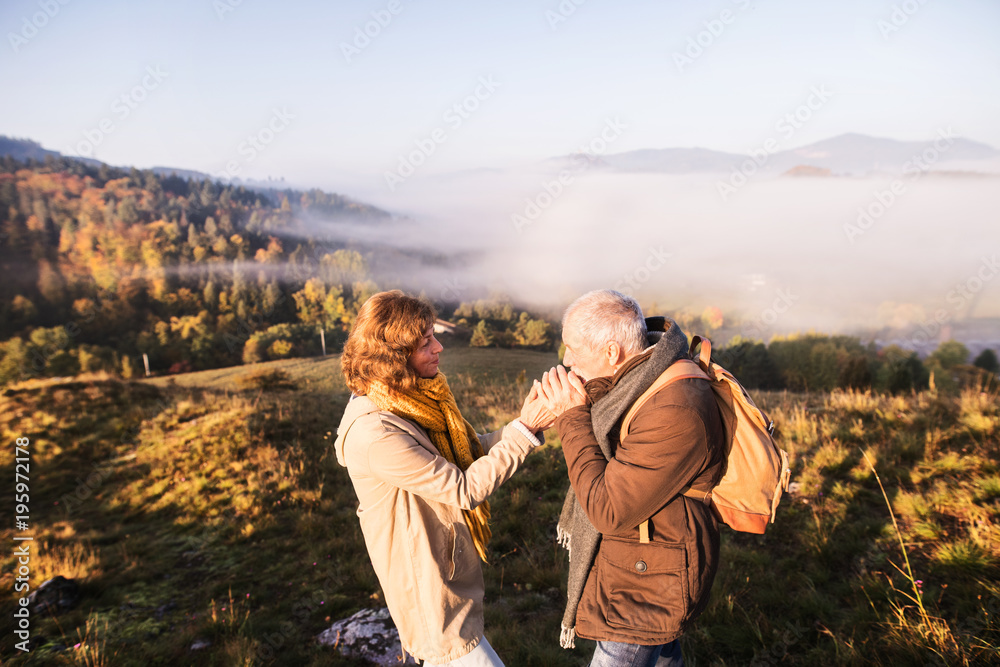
207 509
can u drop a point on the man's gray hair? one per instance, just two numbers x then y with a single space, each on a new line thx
606 315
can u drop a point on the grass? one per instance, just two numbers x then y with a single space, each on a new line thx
208 523
900 573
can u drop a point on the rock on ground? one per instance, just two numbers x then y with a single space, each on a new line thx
369 634
54 595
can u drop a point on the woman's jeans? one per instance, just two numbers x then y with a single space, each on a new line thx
481 656
615 654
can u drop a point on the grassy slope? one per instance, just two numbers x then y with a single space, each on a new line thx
218 513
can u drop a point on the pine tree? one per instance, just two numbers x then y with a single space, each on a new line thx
987 360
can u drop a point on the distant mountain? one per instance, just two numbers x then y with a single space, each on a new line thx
858 154
847 154
673 160
252 184
182 173
24 149
650 160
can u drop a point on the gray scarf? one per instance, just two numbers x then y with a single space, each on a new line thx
574 531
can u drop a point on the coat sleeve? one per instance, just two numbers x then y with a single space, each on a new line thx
396 458
667 447
489 439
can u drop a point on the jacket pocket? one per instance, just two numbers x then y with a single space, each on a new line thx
452 552
463 552
643 586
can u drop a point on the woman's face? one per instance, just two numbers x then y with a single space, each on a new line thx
424 359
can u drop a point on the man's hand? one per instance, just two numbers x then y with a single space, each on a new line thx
534 413
562 390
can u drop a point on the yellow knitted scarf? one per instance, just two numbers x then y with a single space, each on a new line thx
433 407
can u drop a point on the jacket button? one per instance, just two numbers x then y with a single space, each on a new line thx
640 566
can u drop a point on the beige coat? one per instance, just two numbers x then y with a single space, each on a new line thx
410 506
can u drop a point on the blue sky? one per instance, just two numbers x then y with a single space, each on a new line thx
227 71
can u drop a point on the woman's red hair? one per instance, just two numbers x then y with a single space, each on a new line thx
387 331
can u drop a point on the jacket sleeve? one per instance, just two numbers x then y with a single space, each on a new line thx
487 440
397 459
667 447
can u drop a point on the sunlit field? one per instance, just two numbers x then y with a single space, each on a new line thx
207 510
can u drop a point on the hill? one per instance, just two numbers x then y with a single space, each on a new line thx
852 153
112 264
24 149
206 509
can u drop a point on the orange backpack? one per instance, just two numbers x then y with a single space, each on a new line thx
756 469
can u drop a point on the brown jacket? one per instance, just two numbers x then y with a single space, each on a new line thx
647 593
410 502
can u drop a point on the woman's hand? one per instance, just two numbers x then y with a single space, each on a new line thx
562 390
534 413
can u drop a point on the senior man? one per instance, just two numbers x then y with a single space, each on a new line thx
633 589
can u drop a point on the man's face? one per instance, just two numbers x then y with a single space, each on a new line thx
583 361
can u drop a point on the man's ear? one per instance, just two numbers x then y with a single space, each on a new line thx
614 353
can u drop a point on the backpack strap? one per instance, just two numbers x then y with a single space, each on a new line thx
681 369
704 362
705 356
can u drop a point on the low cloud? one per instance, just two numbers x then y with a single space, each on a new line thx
453 236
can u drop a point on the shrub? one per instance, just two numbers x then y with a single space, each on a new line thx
987 360
287 340
750 362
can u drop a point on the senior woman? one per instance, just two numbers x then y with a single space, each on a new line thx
422 476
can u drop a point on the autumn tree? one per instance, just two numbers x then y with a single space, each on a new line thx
324 307
530 332
482 335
